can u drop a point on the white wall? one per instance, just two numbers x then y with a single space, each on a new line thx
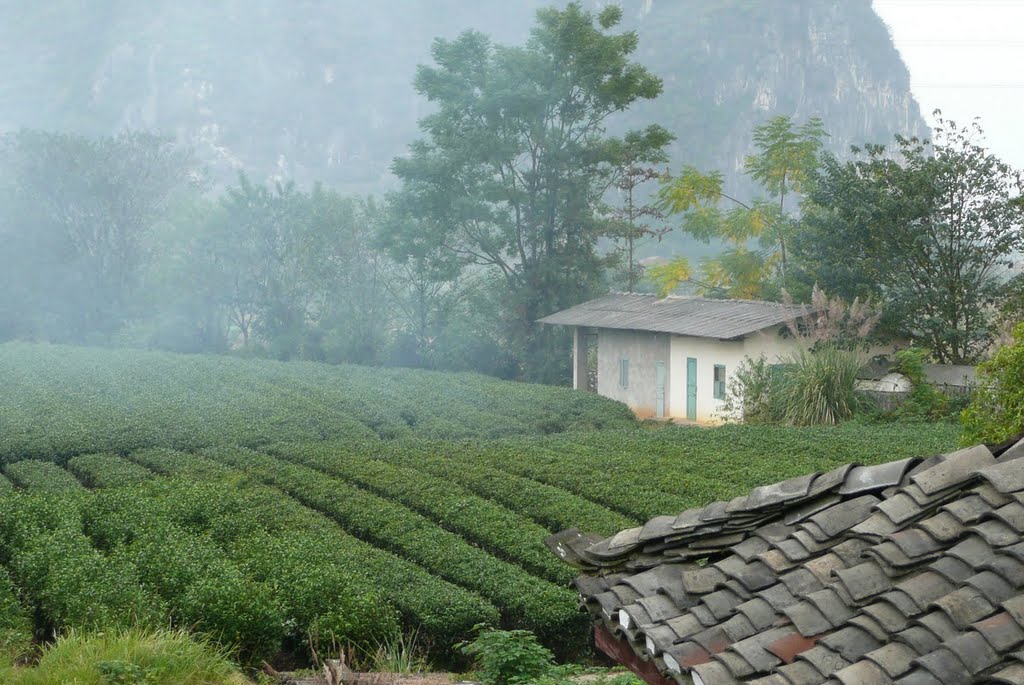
643 349
708 352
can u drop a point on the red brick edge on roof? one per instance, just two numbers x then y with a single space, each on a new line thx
620 652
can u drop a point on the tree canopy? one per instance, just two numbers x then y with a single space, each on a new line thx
926 227
77 225
754 263
515 162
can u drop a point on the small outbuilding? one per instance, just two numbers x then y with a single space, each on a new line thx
672 356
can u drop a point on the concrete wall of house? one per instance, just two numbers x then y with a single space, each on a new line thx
643 349
710 352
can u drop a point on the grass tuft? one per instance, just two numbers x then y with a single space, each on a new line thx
129 657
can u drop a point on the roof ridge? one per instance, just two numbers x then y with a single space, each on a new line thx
704 299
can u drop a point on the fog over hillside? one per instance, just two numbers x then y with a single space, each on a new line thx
321 90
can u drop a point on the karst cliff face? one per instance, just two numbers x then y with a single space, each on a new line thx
321 89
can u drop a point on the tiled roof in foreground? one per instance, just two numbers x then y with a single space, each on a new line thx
910 572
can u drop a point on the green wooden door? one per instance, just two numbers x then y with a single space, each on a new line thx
691 388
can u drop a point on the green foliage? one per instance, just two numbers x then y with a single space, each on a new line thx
107 470
550 506
71 583
42 477
922 227
924 402
996 412
818 388
635 156
356 540
525 600
809 387
493 527
509 657
15 624
751 393
401 654
317 567
786 157
129 657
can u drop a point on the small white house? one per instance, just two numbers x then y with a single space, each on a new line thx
672 356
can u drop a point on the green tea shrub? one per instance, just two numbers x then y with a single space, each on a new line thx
501 532
72 584
15 623
107 470
41 477
524 600
330 569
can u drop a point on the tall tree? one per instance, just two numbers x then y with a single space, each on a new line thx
787 154
515 161
926 228
637 155
77 226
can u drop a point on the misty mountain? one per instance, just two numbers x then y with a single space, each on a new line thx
321 89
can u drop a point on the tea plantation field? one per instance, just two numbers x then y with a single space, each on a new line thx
268 504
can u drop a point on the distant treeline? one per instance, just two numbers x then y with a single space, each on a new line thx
116 241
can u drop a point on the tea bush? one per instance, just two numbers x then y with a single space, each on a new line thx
492 526
42 477
524 600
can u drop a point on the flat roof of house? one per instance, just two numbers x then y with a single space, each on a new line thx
695 316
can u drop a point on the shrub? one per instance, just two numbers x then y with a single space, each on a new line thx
996 411
107 470
751 395
507 535
924 402
819 388
810 387
129 657
509 657
70 583
42 477
524 599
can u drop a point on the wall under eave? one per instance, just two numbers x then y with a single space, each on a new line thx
643 349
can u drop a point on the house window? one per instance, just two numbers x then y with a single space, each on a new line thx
623 373
719 382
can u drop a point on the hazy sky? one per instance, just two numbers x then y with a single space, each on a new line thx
966 57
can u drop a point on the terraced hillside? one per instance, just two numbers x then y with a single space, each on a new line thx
266 503
61 401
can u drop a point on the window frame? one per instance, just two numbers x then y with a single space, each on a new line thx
624 372
718 386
